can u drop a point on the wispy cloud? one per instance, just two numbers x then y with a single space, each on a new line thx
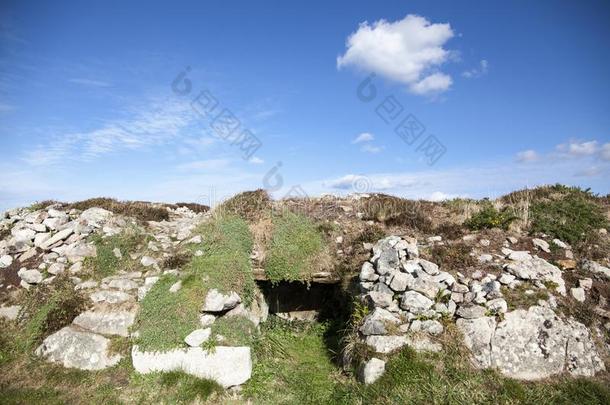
155 124
364 137
525 156
89 82
6 108
256 160
478 71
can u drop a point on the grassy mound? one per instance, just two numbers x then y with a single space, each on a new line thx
143 211
297 249
249 205
166 318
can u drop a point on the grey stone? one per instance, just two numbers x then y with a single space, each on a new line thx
197 337
372 370
560 244
148 261
376 322
596 268
537 269
497 306
388 261
56 268
429 267
477 338
30 276
6 261
111 297
95 216
367 273
519 256
380 299
106 323
59 236
541 244
415 302
400 281
578 294
215 301
176 286
10 312
471 311
123 284
76 349
228 366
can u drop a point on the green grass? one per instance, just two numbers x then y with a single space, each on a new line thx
236 331
166 318
188 388
296 248
225 264
291 366
105 263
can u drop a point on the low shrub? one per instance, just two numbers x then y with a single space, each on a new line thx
570 217
455 256
143 211
489 217
249 205
395 211
48 308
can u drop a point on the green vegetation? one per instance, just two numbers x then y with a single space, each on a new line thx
46 309
106 263
297 249
166 318
292 365
489 217
188 388
236 330
225 263
40 205
516 298
570 217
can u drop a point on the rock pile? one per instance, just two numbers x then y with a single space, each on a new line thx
408 295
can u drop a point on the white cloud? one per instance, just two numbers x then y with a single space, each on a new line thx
256 160
527 156
371 148
435 83
577 149
408 51
89 82
364 137
479 71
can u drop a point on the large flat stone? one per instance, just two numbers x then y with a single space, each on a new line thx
106 323
77 349
228 366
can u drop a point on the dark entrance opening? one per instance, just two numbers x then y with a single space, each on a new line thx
300 301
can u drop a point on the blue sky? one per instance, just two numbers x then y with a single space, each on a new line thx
505 94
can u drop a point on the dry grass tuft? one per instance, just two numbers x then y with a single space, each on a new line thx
143 211
249 205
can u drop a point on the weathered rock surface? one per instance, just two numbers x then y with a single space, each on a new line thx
372 370
77 349
215 301
106 323
531 345
228 366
